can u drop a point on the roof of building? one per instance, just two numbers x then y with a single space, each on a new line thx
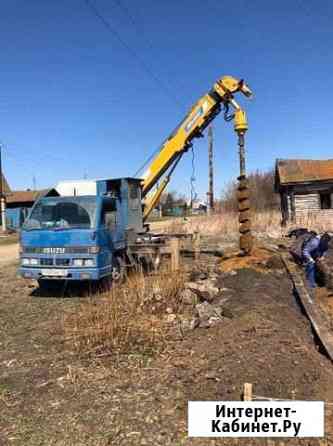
23 196
291 171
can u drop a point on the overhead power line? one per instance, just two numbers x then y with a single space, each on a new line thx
141 31
131 51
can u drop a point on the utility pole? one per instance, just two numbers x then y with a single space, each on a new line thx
34 183
210 193
2 197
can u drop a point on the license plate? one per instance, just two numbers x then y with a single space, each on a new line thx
54 272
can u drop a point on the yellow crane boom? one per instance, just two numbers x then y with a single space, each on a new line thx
192 126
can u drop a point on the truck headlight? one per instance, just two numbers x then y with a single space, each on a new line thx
78 262
89 262
25 261
34 262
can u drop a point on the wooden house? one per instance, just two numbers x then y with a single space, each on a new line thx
305 188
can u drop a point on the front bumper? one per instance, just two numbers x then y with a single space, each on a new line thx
72 273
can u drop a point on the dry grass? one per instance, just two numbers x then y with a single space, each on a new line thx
320 221
227 223
130 318
266 223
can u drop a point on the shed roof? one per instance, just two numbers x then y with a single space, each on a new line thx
23 196
291 171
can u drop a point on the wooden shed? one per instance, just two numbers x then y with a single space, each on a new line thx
305 188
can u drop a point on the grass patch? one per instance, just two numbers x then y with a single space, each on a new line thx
129 319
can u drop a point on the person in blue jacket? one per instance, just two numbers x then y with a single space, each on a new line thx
312 250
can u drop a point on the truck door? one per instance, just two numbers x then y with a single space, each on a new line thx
108 228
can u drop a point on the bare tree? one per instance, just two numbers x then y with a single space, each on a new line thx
262 195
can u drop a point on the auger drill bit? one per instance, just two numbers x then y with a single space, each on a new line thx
243 196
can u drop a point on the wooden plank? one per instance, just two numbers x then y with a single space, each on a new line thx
317 317
247 392
175 254
196 243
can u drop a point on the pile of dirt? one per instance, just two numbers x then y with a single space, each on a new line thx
261 259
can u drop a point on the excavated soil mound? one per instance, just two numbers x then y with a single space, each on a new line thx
261 259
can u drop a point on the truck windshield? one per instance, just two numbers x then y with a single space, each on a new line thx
62 213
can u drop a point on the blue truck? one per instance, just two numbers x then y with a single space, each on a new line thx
94 229
82 237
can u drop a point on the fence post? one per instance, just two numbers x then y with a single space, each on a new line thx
196 242
247 392
175 254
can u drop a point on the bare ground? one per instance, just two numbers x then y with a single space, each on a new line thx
8 252
50 396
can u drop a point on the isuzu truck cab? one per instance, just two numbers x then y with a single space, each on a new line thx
81 230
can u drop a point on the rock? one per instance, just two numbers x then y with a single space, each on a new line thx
190 324
203 295
189 297
227 313
205 286
211 322
206 310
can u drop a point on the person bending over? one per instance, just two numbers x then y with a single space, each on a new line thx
312 251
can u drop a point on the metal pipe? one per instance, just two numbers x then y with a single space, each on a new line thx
241 143
210 171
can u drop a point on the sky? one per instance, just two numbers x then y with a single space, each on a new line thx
79 99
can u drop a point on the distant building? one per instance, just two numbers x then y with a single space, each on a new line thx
18 205
305 188
199 207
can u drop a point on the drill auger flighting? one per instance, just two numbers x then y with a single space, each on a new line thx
245 240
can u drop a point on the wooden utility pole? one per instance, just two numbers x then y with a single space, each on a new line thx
210 194
2 197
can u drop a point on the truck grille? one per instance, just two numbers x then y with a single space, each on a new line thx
46 262
63 262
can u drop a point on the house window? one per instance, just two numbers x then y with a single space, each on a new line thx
325 200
